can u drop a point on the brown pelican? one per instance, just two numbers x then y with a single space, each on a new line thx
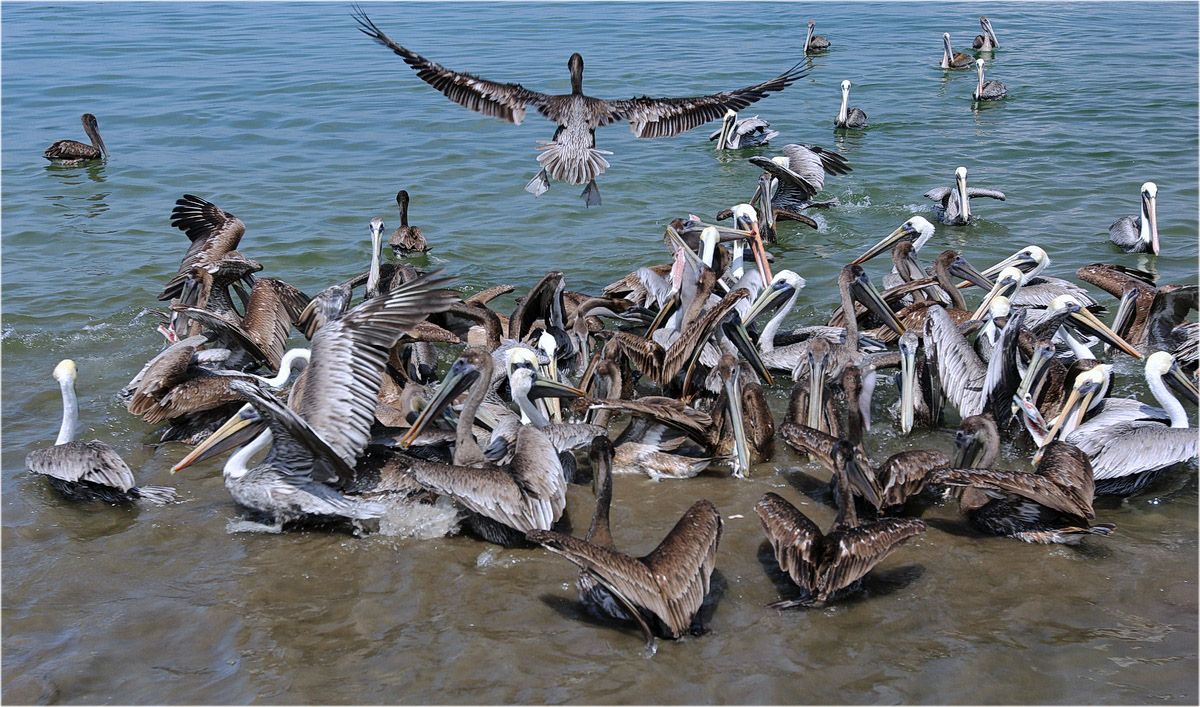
661 590
87 471
814 44
261 336
406 239
213 232
854 285
742 421
1150 314
747 132
74 152
830 566
972 385
990 90
950 58
571 155
949 265
852 118
1052 504
955 202
1139 234
801 174
987 41
314 450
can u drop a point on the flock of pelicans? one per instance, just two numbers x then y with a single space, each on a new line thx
358 423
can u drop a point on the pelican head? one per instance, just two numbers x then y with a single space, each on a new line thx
960 178
846 86
65 371
916 230
947 53
986 24
1149 229
1089 324
728 122
808 37
1030 260
92 128
575 66
1161 364
376 244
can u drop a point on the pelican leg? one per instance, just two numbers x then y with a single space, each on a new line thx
591 194
540 184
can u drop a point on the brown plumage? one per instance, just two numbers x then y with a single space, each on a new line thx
73 151
213 233
273 308
406 239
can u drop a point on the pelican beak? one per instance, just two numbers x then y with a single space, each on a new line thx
1072 413
1038 366
1004 287
905 230
1126 311
961 268
756 246
1182 383
768 209
460 377
816 388
1150 205
244 426
967 450
863 480
771 299
987 27
100 143
961 177
741 458
1022 261
1088 323
736 332
870 298
727 124
1035 424
544 387
664 313
690 255
908 381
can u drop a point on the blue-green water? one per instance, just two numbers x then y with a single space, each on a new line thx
286 116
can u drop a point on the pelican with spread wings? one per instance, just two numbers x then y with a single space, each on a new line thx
571 155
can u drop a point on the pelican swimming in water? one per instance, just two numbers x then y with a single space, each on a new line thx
661 591
1139 234
987 41
852 118
747 132
571 155
952 59
87 471
814 44
406 239
990 90
73 151
1148 315
954 207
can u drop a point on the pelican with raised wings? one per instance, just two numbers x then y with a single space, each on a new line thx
73 151
571 155
954 203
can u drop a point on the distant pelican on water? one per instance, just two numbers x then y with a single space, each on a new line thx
1139 234
954 207
987 41
73 151
814 44
950 58
990 90
853 118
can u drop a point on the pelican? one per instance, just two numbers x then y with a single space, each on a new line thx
661 591
213 232
73 151
1139 234
747 132
990 90
406 239
987 41
955 201
1052 504
1038 290
814 44
87 471
950 58
801 174
972 385
852 118
571 155
1148 315
830 566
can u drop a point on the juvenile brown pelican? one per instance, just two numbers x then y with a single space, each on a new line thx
852 118
747 132
87 471
830 566
73 151
1150 314
406 239
663 590
955 202
987 41
571 155
990 90
1052 504
814 44
1139 234
213 232
952 59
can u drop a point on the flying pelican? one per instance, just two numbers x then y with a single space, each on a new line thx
406 239
87 471
830 566
571 155
987 41
950 58
1139 234
814 44
747 132
661 590
852 118
955 201
990 90
73 151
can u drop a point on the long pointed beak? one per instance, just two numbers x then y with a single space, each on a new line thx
1182 383
664 313
870 298
1151 206
1002 288
987 27
1035 424
690 255
1088 323
760 253
1038 365
963 202
544 387
460 376
863 480
961 268
1072 413
816 389
244 426
741 458
1125 315
727 124
771 298
908 386
768 209
884 244
736 332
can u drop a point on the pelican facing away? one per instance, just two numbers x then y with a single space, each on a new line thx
952 59
987 41
1139 234
853 118
87 471
406 239
989 90
73 151
955 201
571 155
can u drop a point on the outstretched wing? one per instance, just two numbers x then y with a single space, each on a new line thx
213 232
506 101
973 192
795 539
857 550
664 117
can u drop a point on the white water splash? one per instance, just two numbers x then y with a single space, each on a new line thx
422 521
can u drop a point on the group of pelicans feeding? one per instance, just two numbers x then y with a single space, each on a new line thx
358 424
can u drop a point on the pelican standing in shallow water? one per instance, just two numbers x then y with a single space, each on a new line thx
814 44
87 471
73 151
990 90
1139 234
987 41
952 59
955 202
852 118
571 156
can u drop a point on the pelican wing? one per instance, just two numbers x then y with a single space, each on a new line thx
682 565
203 391
94 461
903 475
805 183
506 101
273 307
855 551
973 192
345 372
1029 485
226 327
796 539
166 370
1169 309
213 232
961 372
1115 279
1131 447
664 117
939 194
668 411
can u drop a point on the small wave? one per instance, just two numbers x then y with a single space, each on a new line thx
421 521
239 525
